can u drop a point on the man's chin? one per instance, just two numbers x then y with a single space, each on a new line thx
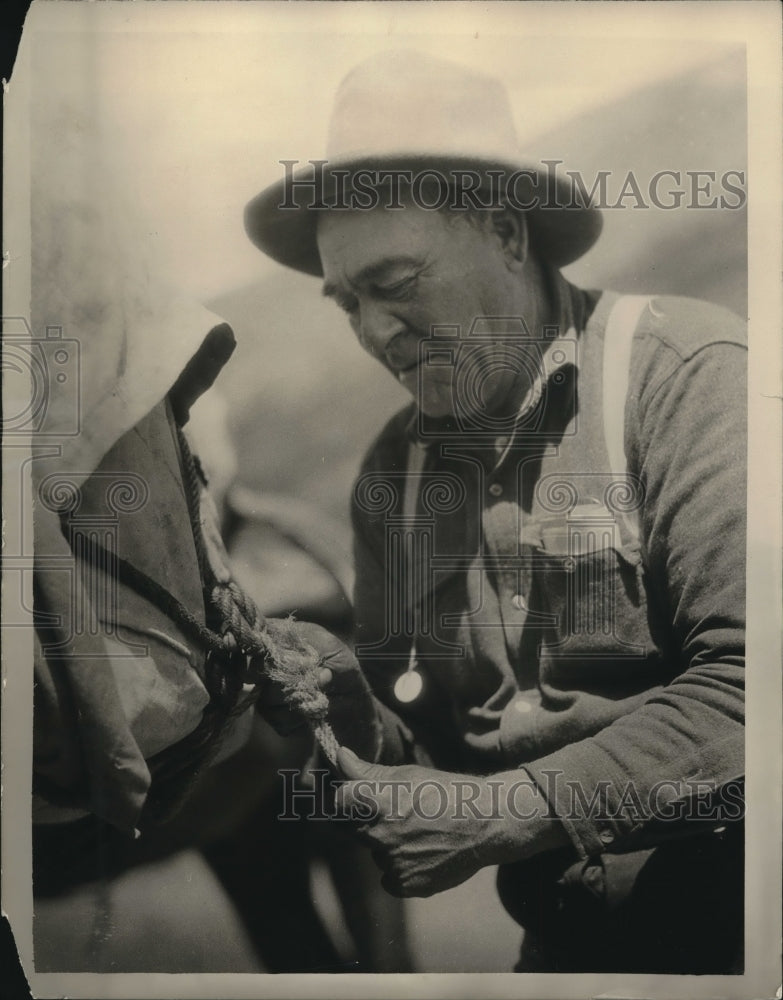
433 398
436 409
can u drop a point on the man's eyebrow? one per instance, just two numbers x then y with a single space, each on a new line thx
371 272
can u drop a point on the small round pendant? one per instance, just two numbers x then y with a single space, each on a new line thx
408 686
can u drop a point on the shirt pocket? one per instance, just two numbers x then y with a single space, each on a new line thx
592 588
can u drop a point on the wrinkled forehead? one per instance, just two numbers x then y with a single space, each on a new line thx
350 239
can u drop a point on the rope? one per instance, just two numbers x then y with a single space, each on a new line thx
285 658
248 648
273 646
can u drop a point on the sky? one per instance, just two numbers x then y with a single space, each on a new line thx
197 102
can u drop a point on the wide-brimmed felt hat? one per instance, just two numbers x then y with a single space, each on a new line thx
403 110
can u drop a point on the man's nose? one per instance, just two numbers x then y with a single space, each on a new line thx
402 350
382 334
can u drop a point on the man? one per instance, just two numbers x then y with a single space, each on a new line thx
550 540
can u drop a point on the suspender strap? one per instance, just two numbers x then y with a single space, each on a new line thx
618 338
415 464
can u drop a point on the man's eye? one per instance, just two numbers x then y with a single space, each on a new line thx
399 289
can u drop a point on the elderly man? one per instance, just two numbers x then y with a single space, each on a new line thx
550 539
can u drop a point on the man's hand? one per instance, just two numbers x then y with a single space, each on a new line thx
431 830
352 712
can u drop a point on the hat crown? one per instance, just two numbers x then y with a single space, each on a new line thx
405 102
403 109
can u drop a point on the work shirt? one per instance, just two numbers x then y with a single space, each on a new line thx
584 624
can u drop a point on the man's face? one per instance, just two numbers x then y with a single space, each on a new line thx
397 273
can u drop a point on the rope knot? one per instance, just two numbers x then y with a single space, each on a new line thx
273 648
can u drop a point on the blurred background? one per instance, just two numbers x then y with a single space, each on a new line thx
179 119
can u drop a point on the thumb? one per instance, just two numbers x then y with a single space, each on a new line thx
354 767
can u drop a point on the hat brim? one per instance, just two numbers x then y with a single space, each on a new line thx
562 227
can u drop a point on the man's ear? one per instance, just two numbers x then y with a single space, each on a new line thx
511 229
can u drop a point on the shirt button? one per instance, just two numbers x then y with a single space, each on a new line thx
606 836
519 602
522 706
496 489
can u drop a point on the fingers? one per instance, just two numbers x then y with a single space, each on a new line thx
274 708
354 767
360 797
390 879
394 885
360 814
349 764
326 643
337 658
